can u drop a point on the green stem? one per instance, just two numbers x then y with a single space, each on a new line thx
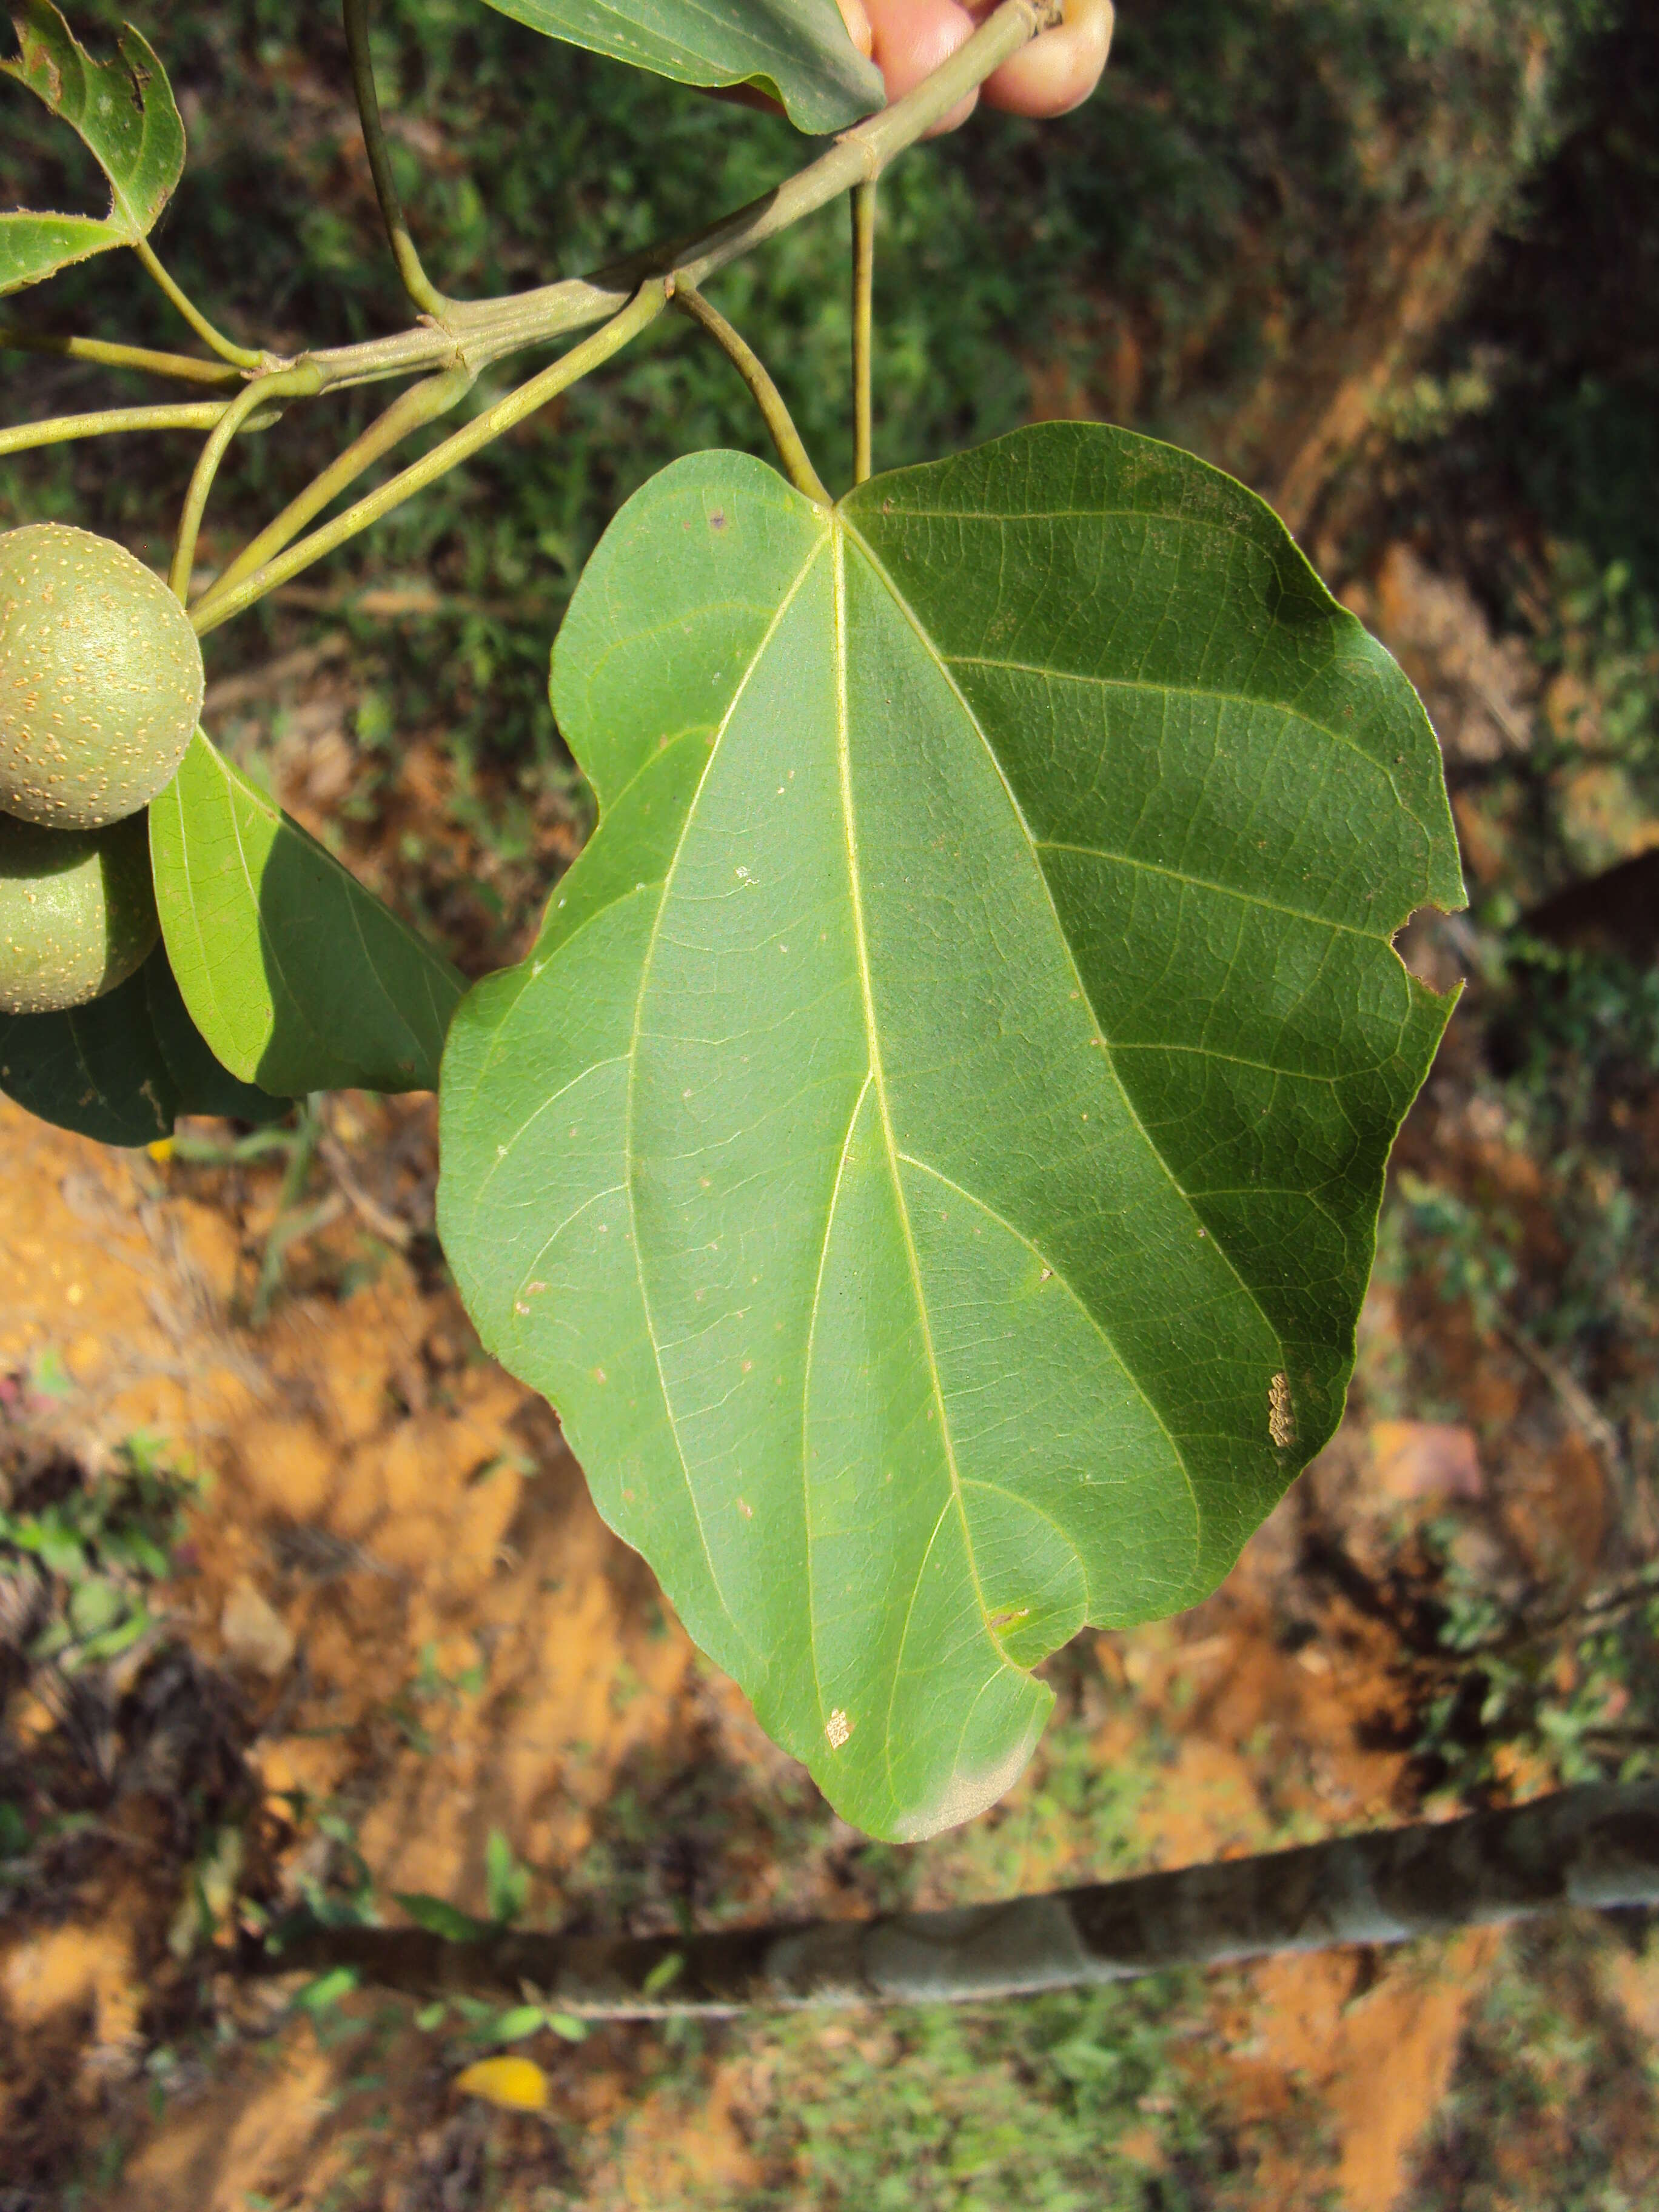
483 331
418 285
864 287
286 383
227 349
59 430
424 402
486 331
179 365
645 306
752 369
284 1228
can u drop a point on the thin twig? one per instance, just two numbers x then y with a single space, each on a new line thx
474 334
1597 1845
864 285
1575 1402
183 366
292 382
422 403
646 304
792 451
418 285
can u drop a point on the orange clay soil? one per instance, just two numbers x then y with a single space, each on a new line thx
396 1568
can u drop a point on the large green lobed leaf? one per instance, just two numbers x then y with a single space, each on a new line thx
931 1156
797 50
298 978
123 111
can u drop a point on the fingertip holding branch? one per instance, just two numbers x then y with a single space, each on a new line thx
909 39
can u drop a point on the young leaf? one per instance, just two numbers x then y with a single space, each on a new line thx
798 51
123 111
506 1883
124 1066
932 1154
299 978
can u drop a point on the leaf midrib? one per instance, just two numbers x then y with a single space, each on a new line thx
878 1082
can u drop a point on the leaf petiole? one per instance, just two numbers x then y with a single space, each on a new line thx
864 275
422 403
226 348
792 451
182 365
418 285
292 383
60 429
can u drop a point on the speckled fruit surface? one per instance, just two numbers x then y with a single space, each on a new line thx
100 678
77 912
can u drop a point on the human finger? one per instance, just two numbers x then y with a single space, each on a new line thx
1059 69
908 40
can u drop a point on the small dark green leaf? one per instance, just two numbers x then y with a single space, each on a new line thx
98 1069
438 1917
663 1975
123 1067
299 979
123 111
798 51
931 1156
323 1994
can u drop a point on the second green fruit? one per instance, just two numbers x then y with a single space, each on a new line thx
78 912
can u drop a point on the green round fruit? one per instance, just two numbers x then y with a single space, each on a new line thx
100 678
78 912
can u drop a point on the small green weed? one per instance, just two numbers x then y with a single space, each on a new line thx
97 1545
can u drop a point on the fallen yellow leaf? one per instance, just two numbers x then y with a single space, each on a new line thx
161 1150
518 2085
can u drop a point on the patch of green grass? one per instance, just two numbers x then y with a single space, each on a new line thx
1089 2102
98 1544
